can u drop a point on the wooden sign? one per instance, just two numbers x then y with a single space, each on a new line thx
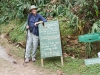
50 43
92 61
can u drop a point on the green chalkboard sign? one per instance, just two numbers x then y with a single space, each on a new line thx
92 61
50 43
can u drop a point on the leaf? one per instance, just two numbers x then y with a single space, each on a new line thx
96 27
97 13
23 26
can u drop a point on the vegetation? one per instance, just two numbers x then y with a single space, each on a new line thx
76 17
71 66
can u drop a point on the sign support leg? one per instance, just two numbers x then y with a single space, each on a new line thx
42 64
62 60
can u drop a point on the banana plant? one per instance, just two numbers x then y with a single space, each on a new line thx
96 27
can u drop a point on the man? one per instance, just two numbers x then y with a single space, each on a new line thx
33 20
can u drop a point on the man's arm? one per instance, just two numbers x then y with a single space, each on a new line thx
38 23
42 20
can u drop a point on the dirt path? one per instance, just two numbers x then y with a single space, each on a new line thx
12 66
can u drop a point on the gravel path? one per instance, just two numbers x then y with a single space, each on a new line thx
13 66
8 67
5 56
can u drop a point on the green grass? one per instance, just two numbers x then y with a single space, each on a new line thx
71 66
15 30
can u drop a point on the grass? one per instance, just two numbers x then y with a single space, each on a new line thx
15 31
71 66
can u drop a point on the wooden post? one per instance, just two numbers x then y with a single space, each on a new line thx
42 64
62 60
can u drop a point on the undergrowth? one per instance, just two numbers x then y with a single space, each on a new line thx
72 66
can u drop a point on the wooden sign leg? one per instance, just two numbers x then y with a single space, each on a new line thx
42 64
62 60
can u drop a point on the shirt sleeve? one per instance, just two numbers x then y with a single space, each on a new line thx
42 18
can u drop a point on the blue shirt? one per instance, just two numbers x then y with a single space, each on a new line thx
32 19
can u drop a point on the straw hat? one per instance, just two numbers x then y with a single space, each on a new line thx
33 7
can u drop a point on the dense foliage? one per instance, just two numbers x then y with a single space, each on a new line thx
75 16
78 13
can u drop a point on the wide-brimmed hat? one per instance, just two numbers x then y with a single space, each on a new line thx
33 7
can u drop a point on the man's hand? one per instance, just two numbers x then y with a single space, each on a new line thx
38 23
27 27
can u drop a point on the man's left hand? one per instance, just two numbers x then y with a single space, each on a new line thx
35 23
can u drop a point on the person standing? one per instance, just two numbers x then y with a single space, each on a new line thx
33 20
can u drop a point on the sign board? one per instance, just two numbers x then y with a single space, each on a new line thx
92 61
50 43
91 37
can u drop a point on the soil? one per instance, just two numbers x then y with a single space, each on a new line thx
15 66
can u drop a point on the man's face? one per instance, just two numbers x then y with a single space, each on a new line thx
34 11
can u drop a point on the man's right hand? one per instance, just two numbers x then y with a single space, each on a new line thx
27 27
